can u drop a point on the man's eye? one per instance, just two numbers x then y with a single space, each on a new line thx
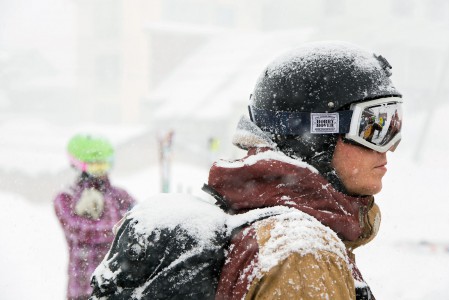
135 252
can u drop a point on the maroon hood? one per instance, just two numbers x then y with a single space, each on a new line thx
268 178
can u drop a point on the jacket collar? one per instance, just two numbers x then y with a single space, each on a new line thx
86 181
268 178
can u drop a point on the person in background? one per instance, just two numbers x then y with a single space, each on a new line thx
88 210
213 148
305 152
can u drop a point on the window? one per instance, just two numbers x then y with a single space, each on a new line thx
437 10
402 8
106 19
334 7
107 71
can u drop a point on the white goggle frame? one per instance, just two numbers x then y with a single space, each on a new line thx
392 107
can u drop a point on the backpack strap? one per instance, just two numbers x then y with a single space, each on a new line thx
258 214
220 199
249 217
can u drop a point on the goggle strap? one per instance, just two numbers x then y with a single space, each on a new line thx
298 123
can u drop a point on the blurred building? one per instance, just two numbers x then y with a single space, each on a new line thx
127 49
191 64
187 65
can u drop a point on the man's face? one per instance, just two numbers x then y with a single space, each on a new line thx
360 169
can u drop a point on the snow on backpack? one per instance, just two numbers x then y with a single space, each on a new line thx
171 246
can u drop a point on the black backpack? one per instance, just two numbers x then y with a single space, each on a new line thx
172 246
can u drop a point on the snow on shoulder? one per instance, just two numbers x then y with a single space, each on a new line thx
198 217
297 232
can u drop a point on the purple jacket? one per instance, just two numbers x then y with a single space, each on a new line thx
89 240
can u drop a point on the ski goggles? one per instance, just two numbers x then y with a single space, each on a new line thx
99 168
375 124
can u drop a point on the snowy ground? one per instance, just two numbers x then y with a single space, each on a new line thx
414 204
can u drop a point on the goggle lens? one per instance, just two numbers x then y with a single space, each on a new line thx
379 124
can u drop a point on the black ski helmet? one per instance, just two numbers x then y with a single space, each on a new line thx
318 77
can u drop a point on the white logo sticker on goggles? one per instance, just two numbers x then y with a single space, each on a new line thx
324 123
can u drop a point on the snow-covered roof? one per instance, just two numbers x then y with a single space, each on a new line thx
208 84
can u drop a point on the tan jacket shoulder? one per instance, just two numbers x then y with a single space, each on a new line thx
299 258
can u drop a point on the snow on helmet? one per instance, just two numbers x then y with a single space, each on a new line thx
318 77
93 155
323 77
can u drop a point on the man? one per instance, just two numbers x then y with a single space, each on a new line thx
89 210
305 152
369 130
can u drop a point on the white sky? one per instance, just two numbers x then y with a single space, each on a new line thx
45 25
414 200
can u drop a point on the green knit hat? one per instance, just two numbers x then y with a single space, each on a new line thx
90 154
